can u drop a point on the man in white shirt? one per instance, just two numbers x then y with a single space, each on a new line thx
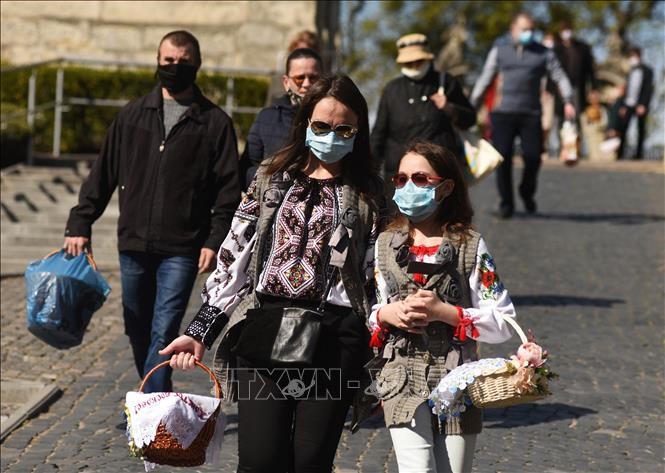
635 102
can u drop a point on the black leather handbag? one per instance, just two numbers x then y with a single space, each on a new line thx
281 335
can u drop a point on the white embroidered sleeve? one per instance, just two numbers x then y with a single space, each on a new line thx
381 291
227 285
490 300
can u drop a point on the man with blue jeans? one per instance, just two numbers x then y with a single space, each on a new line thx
154 285
172 155
521 64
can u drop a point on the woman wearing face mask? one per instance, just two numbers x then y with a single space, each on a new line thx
303 238
421 103
438 294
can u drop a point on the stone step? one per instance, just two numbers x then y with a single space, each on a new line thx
46 241
55 180
72 183
21 256
25 216
36 200
103 228
28 253
22 209
22 169
11 266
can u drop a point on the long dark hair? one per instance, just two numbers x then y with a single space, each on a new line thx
454 213
358 166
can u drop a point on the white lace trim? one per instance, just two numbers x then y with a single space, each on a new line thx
183 415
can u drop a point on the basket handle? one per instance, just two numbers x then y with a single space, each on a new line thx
90 260
218 387
517 328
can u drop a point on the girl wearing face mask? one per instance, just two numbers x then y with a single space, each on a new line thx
303 238
438 294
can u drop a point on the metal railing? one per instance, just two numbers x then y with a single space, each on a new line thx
61 101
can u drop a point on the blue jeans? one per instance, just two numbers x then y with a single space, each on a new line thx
155 293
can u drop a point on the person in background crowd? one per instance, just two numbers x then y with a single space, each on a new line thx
304 39
635 101
576 58
421 103
173 156
547 101
290 245
422 328
270 129
521 64
594 123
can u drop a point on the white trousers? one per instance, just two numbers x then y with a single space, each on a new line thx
419 449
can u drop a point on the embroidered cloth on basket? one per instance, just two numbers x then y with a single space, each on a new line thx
447 399
183 415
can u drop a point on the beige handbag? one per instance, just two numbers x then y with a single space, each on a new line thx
481 156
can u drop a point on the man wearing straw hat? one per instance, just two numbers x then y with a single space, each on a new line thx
421 103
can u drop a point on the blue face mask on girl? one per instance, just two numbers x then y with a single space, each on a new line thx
416 203
328 148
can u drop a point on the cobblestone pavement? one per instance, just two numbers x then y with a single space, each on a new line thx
586 274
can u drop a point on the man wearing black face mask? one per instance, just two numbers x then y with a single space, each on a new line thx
173 156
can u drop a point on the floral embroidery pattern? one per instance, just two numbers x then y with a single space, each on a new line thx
491 285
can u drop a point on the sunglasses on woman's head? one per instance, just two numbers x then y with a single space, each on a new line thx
420 179
342 131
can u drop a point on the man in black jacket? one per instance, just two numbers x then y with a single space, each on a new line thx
173 156
270 129
635 101
577 62
421 103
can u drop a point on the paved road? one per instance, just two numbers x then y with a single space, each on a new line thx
586 274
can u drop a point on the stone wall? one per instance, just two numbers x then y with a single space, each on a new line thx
238 34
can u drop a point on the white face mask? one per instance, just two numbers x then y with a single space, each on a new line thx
566 35
418 72
634 61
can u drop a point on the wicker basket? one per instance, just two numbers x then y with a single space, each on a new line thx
166 450
495 389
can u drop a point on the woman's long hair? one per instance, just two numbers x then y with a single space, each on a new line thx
454 213
358 166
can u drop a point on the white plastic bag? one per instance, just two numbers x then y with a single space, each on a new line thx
481 156
569 143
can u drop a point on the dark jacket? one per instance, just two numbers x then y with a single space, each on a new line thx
403 116
177 193
646 89
577 62
267 135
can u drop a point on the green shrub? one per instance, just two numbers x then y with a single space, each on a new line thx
84 127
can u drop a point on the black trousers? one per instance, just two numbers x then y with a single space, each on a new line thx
290 419
641 128
505 128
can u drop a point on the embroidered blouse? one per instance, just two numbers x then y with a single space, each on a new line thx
294 266
489 297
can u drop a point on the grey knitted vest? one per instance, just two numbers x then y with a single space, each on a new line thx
415 364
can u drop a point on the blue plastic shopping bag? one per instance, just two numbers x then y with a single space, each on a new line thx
62 293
